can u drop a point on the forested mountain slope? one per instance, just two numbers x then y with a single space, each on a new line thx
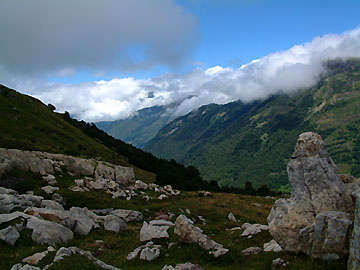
237 142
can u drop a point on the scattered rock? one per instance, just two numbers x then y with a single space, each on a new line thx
150 254
65 252
49 189
140 185
114 223
85 220
251 229
46 232
36 258
162 197
272 246
184 266
50 179
278 264
19 266
9 235
231 217
149 232
204 193
251 251
51 205
188 233
59 199
128 215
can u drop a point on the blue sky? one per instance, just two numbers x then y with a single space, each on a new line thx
99 60
246 30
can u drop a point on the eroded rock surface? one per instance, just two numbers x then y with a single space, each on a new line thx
308 221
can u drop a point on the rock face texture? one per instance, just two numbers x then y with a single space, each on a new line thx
48 163
354 252
317 219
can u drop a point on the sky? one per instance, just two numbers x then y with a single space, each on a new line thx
104 60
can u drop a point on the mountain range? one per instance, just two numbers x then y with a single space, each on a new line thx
239 142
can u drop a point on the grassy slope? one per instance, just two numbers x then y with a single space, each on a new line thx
214 209
28 124
234 143
140 128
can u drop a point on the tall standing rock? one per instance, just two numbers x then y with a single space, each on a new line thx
316 189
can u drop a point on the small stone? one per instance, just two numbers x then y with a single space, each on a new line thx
251 251
150 254
231 217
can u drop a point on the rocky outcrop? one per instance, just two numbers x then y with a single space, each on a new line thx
47 163
189 233
317 217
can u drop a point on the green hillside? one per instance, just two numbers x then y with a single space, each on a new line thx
237 142
140 128
27 124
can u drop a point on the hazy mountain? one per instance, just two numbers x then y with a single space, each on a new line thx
238 142
140 128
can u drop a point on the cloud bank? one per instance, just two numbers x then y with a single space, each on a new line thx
58 38
286 71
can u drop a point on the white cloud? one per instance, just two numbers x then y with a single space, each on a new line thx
298 67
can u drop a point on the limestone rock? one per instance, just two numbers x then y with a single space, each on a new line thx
50 179
331 235
140 185
58 198
354 253
132 255
9 235
49 189
114 223
184 266
46 232
149 232
150 254
36 258
231 217
189 233
162 197
272 246
51 205
278 264
251 251
128 215
85 220
124 175
316 188
19 266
